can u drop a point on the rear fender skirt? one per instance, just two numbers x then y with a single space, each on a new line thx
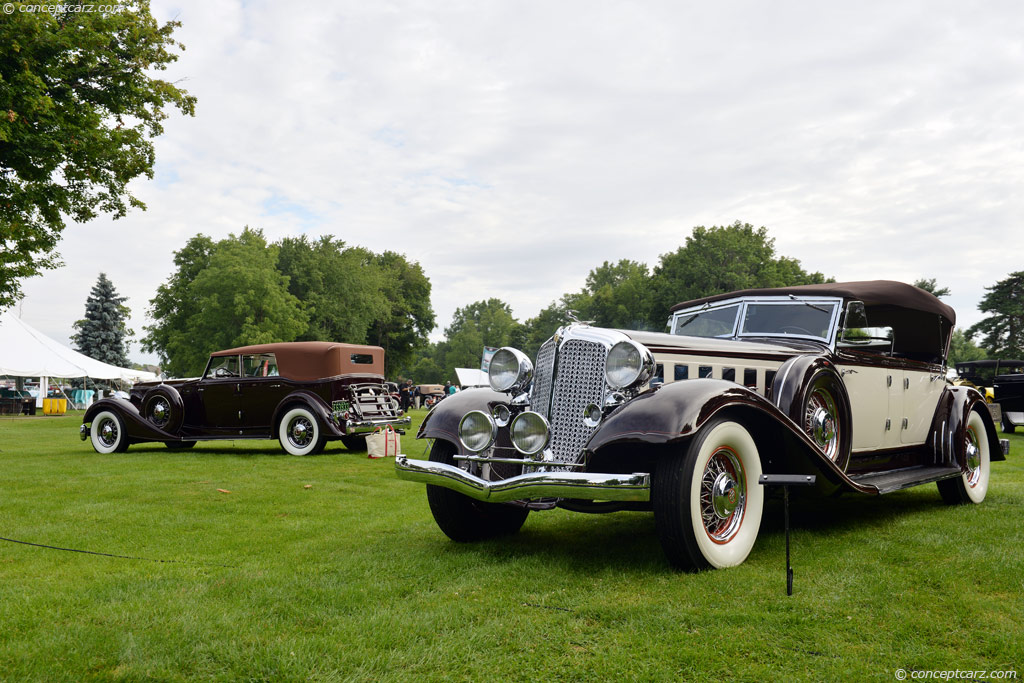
137 427
676 411
442 422
954 410
311 401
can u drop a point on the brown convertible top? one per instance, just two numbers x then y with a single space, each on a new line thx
871 292
304 361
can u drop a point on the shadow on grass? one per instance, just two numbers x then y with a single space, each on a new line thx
629 541
215 448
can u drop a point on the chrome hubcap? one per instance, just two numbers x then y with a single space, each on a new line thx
722 495
973 458
301 432
108 433
820 422
160 412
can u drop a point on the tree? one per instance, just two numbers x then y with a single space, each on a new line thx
408 317
615 295
340 288
480 324
961 348
1003 330
224 294
103 333
721 259
78 112
932 288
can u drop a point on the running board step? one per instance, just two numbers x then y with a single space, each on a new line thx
894 480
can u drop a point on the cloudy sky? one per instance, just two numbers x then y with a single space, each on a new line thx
511 147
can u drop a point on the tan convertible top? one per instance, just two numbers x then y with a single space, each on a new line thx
304 361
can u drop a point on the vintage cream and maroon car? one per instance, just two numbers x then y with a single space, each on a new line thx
846 382
302 393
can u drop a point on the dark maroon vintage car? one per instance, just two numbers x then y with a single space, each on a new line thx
845 382
302 393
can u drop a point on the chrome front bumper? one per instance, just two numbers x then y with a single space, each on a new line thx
579 485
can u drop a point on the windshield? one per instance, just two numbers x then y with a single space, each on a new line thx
806 319
712 322
760 319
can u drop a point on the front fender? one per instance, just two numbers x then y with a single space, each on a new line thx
442 422
676 411
136 426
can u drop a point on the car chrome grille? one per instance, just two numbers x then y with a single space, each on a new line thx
540 395
578 382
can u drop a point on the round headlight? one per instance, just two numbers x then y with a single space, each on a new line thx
628 364
477 431
530 433
510 370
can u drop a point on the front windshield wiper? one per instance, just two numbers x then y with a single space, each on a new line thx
808 303
693 317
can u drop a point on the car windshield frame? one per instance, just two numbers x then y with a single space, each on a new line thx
831 306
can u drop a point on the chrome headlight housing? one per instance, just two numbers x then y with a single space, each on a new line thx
477 431
510 370
629 364
530 433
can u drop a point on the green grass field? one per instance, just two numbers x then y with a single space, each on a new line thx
329 568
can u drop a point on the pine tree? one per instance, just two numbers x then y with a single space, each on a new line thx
103 334
1003 331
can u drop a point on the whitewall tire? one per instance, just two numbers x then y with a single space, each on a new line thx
107 433
972 485
300 433
707 502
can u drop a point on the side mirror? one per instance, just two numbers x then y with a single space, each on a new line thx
854 322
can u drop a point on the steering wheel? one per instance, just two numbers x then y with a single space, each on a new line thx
799 330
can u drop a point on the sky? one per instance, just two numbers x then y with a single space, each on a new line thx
511 147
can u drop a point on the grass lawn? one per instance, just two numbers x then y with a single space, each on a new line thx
329 568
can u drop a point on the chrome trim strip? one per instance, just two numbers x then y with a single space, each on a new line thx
581 485
517 461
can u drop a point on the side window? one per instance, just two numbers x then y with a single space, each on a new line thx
260 365
223 366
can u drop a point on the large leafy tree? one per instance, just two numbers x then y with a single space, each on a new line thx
615 295
961 348
408 318
224 294
721 259
79 108
480 324
103 332
1003 330
340 288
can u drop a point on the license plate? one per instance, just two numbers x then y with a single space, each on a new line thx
340 406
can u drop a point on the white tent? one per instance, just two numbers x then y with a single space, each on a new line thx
471 377
27 352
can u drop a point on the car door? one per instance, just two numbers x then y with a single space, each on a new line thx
218 391
260 391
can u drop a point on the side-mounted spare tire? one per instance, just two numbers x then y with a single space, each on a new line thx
163 408
810 391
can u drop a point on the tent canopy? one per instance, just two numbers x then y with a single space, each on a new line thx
471 377
27 352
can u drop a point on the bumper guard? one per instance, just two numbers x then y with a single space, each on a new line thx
578 485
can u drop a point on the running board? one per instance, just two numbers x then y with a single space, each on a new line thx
895 480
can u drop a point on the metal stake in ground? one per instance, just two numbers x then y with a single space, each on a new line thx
785 481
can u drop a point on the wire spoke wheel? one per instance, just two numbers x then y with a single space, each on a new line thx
821 421
722 496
